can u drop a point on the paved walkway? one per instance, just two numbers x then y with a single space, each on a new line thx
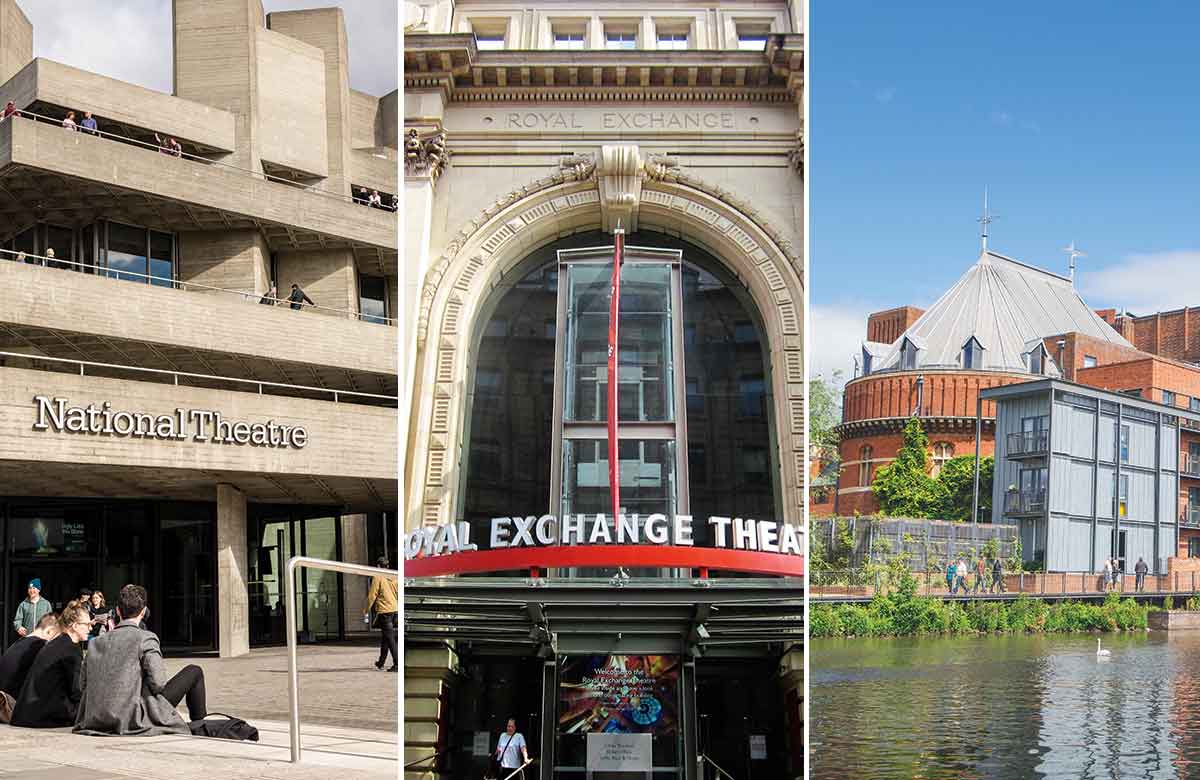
348 716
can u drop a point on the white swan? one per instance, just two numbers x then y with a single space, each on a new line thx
1099 652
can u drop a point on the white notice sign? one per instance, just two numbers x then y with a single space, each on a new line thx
482 744
619 752
758 747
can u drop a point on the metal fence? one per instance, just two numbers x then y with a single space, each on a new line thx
859 584
927 545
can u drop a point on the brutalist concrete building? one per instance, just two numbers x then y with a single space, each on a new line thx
164 418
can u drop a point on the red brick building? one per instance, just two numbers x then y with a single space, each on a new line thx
1001 323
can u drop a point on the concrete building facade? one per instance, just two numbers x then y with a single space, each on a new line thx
531 133
160 423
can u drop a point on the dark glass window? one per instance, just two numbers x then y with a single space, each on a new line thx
162 259
372 298
126 253
188 606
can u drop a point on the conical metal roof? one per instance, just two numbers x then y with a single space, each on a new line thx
1008 307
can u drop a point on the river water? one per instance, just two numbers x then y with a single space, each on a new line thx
1006 707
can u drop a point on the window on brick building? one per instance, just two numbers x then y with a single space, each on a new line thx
942 452
864 466
1168 397
1194 404
1089 361
1193 546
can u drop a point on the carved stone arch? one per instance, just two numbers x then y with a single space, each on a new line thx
493 244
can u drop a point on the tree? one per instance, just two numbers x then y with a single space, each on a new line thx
824 411
904 487
957 487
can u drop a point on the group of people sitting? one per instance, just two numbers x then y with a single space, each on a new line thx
118 687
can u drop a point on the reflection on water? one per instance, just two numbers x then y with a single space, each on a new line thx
1006 707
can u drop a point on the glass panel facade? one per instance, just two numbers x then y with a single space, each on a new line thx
322 595
62 241
187 540
126 252
270 547
162 259
274 537
372 298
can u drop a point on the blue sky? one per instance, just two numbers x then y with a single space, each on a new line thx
1082 119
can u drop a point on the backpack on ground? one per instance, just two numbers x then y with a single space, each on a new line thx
222 726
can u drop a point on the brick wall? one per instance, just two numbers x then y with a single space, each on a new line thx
1077 346
1172 334
887 326
1152 375
945 394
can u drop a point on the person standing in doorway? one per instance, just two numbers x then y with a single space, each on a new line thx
31 610
1140 570
383 600
297 298
511 751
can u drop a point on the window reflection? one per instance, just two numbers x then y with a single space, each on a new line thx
372 298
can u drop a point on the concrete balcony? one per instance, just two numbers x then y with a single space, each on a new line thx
1025 503
374 169
69 177
345 458
64 313
1028 444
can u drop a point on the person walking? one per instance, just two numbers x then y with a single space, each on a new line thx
124 686
1116 573
1107 574
31 611
50 696
298 298
383 600
1140 570
511 751
960 576
88 125
950 569
997 576
980 574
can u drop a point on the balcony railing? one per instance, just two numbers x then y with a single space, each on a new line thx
1190 467
386 201
46 261
1028 443
1190 516
1025 502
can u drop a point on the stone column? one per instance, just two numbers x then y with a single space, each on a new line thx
16 40
354 588
233 597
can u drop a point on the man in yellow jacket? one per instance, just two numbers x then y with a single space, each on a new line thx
383 599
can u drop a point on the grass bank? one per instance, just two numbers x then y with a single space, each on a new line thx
904 613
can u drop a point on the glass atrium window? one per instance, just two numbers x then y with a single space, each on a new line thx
677 41
569 41
620 40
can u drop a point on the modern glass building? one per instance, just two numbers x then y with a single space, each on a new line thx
163 418
531 136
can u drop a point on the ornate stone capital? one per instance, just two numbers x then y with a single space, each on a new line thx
620 173
425 156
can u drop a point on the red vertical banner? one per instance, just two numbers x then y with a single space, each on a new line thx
614 310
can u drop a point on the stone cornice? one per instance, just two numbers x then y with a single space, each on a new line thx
454 65
857 428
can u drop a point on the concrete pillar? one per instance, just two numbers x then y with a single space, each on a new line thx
329 276
233 596
228 259
418 227
428 672
216 63
325 28
354 589
16 40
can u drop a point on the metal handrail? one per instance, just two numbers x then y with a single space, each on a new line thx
27 114
704 757
177 374
112 273
1025 501
837 585
290 616
1029 442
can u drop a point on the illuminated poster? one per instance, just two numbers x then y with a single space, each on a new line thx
619 694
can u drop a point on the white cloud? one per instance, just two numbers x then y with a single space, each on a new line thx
1144 283
130 40
835 336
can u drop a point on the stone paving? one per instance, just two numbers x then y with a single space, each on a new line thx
348 716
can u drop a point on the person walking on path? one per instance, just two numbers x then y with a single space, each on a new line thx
511 751
1140 570
960 576
950 577
125 690
980 574
1107 574
997 576
383 600
31 611
298 298
1116 573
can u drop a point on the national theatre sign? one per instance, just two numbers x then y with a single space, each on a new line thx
200 425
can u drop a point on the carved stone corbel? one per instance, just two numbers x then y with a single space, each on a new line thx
425 156
620 173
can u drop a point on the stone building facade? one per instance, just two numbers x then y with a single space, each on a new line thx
530 135
160 423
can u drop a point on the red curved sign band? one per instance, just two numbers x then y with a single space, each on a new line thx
629 555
